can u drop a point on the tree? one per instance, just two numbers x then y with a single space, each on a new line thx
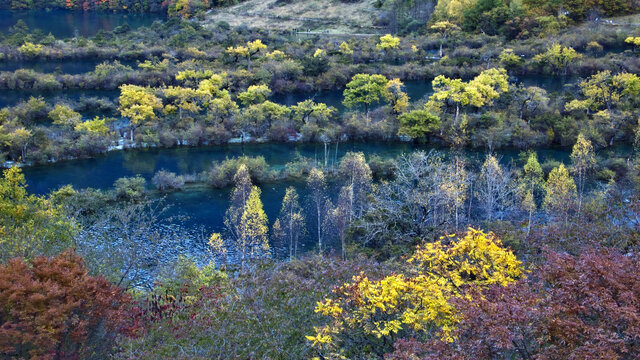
253 228
494 188
605 91
355 170
292 220
308 110
20 139
216 242
452 10
445 28
418 124
257 118
30 225
531 182
478 92
255 94
607 96
364 316
396 97
529 99
635 41
252 48
96 126
345 49
186 99
340 216
317 186
560 192
364 89
454 187
51 309
64 116
388 43
583 160
138 104
239 197
558 57
509 59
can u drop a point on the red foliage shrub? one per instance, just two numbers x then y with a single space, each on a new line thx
585 307
51 309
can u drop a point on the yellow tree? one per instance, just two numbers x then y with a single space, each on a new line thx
253 227
138 104
186 99
560 192
583 160
64 116
252 48
445 28
366 315
395 95
30 225
97 126
558 57
255 94
20 139
388 43
633 40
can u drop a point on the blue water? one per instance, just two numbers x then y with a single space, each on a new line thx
65 24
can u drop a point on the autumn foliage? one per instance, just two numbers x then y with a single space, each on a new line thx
52 309
584 307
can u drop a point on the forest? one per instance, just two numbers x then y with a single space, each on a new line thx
450 179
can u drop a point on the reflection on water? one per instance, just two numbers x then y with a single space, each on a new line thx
65 24
71 66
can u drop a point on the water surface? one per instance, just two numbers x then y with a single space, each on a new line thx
65 24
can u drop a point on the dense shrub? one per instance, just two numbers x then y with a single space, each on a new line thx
130 188
51 309
221 172
165 180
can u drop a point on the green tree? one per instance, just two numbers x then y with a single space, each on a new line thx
417 124
364 89
308 110
531 182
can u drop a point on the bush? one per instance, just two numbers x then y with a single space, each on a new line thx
221 173
52 309
166 180
130 188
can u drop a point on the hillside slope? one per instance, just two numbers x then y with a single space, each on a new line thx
315 15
